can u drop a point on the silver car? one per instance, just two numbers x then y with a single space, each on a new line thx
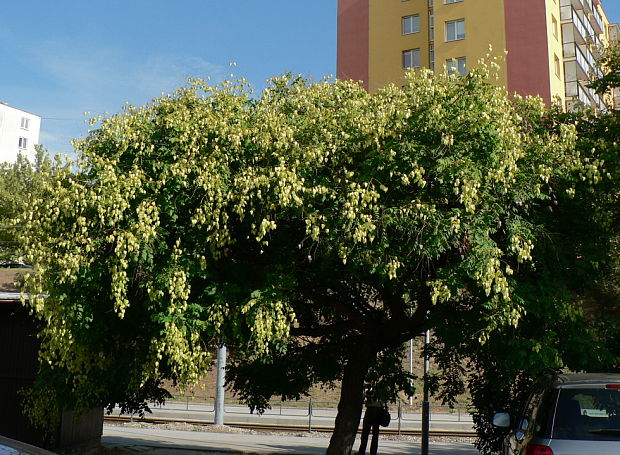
567 414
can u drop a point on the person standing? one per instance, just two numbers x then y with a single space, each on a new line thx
372 420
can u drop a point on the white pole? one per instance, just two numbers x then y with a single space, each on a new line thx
426 404
219 385
411 368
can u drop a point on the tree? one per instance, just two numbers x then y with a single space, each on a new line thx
313 229
20 182
610 62
572 298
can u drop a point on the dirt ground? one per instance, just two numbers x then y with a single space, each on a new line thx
321 396
181 426
8 277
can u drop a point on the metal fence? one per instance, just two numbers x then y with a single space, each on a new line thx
403 414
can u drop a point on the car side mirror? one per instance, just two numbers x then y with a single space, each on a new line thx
501 419
520 435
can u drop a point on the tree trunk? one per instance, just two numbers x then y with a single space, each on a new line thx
351 403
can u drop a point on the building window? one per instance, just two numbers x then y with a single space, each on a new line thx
430 3
556 63
431 56
455 30
25 123
431 25
453 1
411 24
411 58
457 65
23 142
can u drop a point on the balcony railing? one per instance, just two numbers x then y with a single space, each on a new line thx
588 26
598 20
582 61
579 26
582 96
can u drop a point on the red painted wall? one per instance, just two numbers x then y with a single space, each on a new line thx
526 43
353 31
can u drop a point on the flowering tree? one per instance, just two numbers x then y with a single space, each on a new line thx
315 221
20 182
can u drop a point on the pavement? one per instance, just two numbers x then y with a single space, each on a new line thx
132 438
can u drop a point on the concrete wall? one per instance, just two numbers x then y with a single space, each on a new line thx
353 29
12 128
387 42
371 41
484 29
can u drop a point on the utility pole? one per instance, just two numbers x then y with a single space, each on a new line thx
425 404
411 368
219 385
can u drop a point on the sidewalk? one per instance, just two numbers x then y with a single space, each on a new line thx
131 439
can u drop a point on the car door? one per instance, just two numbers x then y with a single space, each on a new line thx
526 425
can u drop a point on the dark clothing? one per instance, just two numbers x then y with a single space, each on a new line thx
372 417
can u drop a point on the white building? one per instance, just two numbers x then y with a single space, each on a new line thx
19 133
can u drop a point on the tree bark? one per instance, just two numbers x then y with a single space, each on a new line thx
351 403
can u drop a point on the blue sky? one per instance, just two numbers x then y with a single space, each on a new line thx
62 58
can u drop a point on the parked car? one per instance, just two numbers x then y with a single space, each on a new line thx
566 414
13 447
14 265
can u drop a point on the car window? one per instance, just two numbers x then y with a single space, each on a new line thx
588 414
530 411
542 419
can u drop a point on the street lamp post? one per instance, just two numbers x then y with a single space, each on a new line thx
425 403
219 385
411 368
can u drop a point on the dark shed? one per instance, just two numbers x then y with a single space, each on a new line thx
18 368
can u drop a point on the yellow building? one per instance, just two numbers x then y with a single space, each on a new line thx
550 45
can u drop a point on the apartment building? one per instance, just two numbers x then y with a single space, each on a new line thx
550 46
19 133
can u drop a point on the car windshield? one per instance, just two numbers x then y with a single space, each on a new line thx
590 414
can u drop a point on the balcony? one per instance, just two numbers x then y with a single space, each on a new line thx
582 70
597 100
587 25
574 31
574 71
574 3
582 95
577 94
598 21
595 41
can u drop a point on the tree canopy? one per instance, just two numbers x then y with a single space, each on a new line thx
20 183
610 63
571 300
313 228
